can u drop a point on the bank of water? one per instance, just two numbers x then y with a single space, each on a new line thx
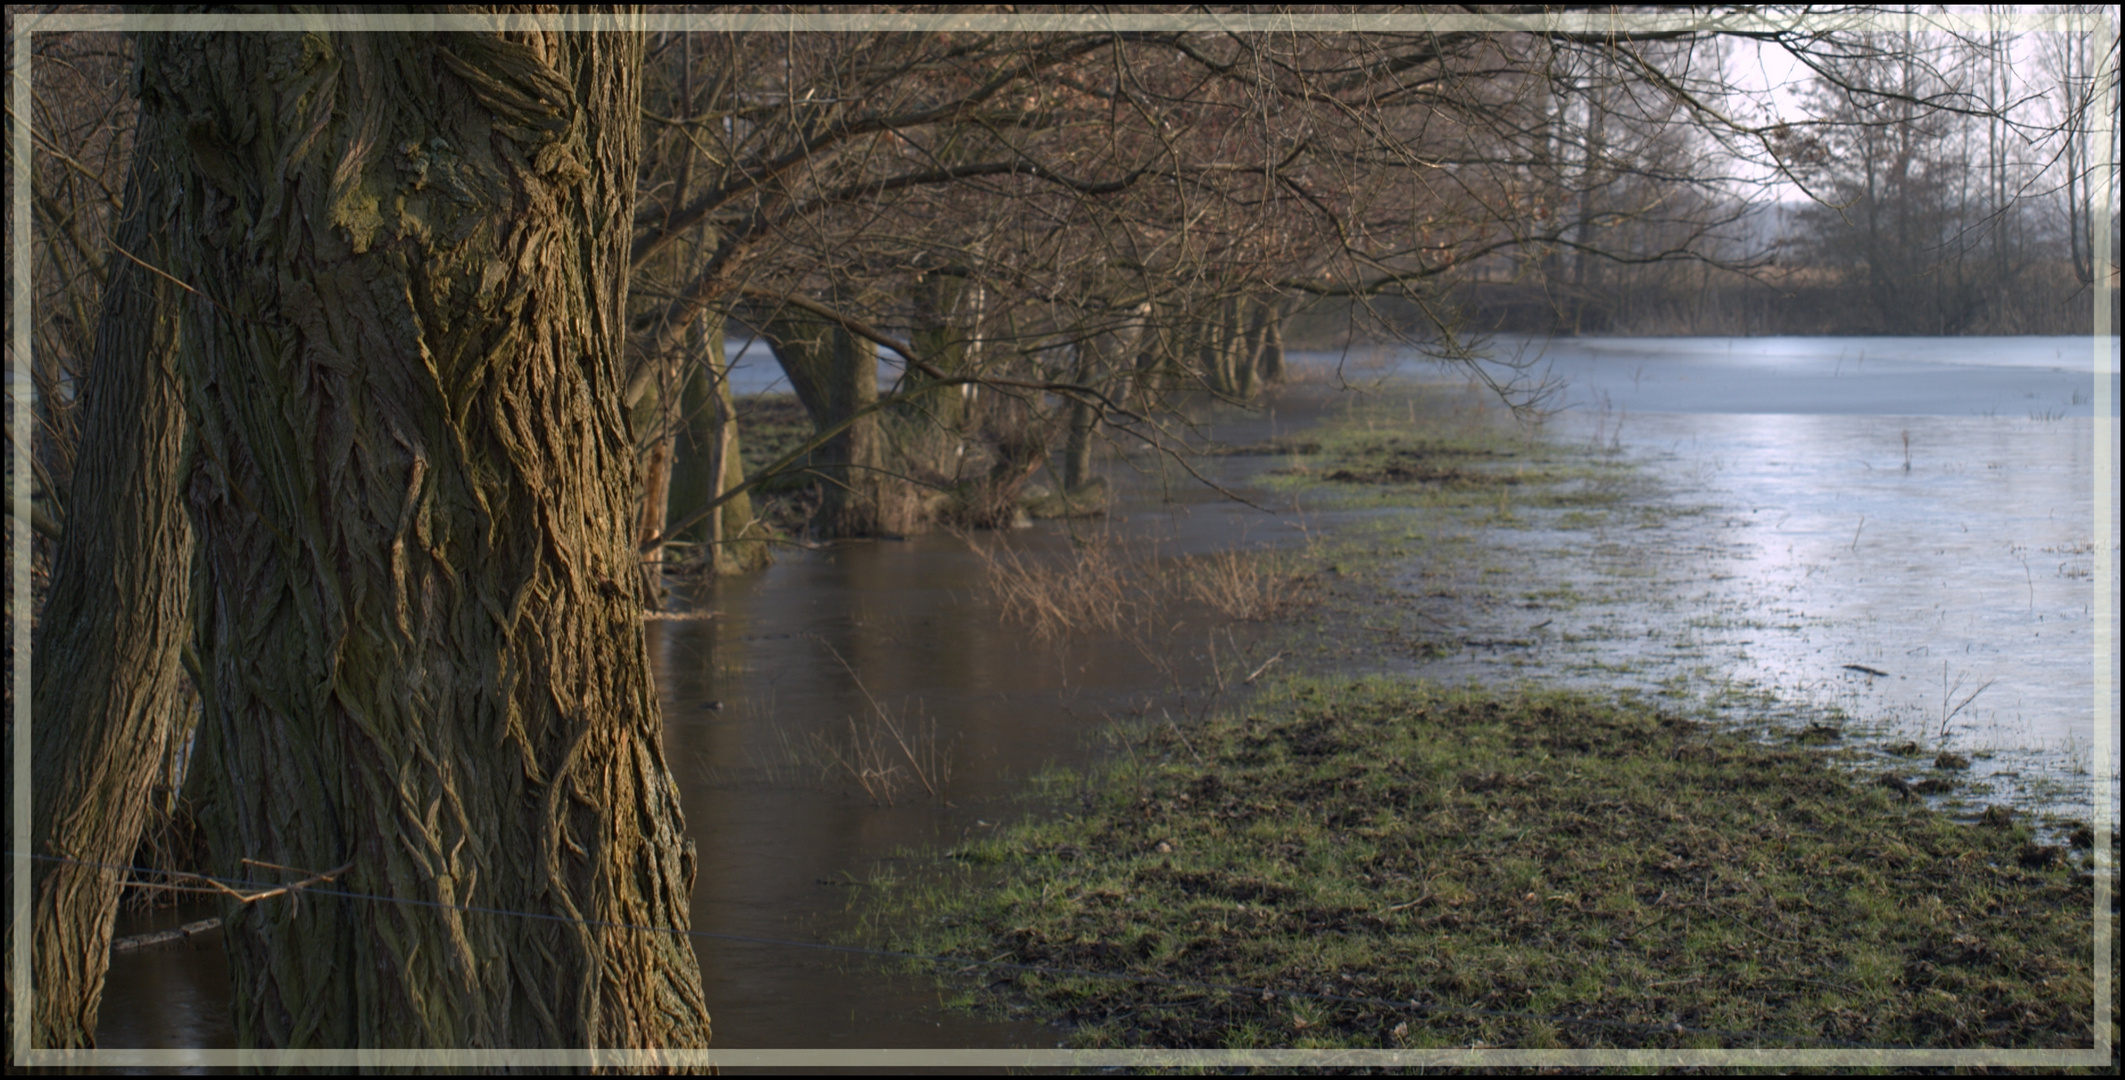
1306 878
1728 564
797 789
1903 530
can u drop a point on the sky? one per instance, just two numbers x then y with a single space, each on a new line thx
1773 79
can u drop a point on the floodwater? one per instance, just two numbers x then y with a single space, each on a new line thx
800 661
793 670
1802 543
1924 508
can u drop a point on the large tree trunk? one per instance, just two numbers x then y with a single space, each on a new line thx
1269 352
105 672
1077 448
1103 364
1230 349
422 649
706 462
836 376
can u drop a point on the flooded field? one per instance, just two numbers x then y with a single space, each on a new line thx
1901 537
797 789
1904 529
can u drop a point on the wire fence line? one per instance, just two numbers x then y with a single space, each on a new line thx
228 888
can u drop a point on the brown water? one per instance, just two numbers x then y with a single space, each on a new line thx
1790 540
757 699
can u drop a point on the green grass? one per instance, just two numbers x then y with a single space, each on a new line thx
1458 455
1527 867
772 425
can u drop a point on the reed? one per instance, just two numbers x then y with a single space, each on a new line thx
1105 587
1089 591
884 758
1244 586
882 755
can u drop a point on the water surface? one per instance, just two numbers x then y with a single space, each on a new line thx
1923 507
1919 507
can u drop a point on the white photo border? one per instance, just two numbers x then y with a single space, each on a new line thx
21 397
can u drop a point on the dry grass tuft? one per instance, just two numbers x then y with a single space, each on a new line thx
880 756
1105 587
1090 591
1244 586
883 759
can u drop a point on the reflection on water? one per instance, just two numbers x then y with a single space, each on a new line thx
2012 377
753 698
1815 553
1808 545
167 996
1923 507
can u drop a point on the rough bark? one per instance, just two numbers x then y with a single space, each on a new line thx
422 652
656 492
105 670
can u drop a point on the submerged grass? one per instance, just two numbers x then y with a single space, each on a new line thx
1391 864
1386 863
1385 454
1103 587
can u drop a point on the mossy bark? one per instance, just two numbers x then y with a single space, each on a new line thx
706 462
1102 364
104 668
948 314
835 375
422 651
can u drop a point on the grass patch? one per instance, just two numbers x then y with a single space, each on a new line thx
1390 864
1396 460
771 425
1466 457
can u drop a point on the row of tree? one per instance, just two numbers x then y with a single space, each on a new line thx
1956 200
367 393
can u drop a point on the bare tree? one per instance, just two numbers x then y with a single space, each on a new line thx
421 566
2083 86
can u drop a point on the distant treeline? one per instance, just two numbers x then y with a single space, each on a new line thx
1695 299
2046 298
